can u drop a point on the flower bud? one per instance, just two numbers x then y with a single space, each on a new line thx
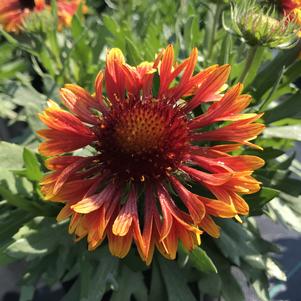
258 27
39 22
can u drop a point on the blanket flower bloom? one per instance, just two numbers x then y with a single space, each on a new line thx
157 172
13 13
292 8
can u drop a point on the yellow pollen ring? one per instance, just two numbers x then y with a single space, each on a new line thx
140 131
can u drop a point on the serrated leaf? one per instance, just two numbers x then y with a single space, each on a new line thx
130 284
231 290
274 270
286 214
33 238
12 222
96 272
19 201
175 283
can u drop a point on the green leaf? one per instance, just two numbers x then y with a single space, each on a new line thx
285 213
231 290
210 284
133 53
274 270
80 37
129 284
258 200
73 292
97 270
157 290
10 39
5 259
177 289
32 165
19 201
12 222
31 113
133 261
15 184
33 238
9 69
226 47
254 68
258 279
286 108
27 292
287 132
292 73
266 78
234 241
199 259
11 156
191 32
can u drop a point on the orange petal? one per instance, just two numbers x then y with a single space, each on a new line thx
56 163
95 201
239 131
211 179
184 84
69 170
165 69
218 208
167 216
114 75
78 106
209 226
212 84
62 143
120 245
242 163
220 110
64 213
123 222
191 201
239 203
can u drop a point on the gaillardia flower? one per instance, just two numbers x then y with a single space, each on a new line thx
289 5
292 8
157 172
13 13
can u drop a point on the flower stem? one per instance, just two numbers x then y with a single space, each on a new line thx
217 14
250 58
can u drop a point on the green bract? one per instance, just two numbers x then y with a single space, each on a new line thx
260 27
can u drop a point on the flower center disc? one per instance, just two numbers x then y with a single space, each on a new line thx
143 141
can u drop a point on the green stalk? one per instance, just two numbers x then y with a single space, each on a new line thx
250 58
217 14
